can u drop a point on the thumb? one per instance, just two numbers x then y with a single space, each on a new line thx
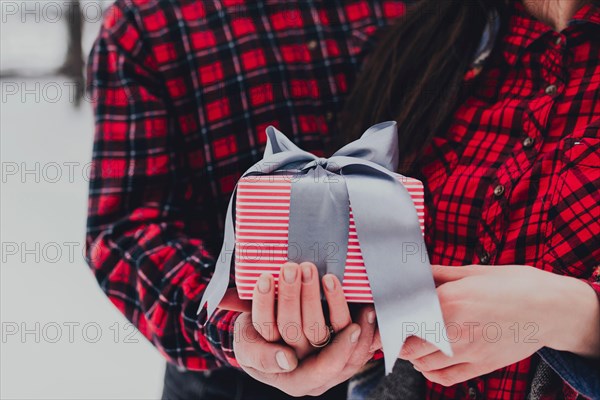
253 351
443 273
336 355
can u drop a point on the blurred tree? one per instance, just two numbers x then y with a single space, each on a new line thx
73 66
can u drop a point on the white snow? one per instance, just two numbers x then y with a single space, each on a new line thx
61 337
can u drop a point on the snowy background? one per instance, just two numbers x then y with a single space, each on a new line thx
61 337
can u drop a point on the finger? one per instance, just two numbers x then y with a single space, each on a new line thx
313 320
339 313
415 347
253 351
452 375
376 345
289 314
362 352
325 366
434 361
263 308
443 274
232 302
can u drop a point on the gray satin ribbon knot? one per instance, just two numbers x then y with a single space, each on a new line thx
387 225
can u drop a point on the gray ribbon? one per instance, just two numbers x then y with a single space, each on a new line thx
319 224
391 242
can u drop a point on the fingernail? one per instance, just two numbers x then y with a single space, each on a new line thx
355 335
282 361
371 317
329 283
306 273
289 273
264 284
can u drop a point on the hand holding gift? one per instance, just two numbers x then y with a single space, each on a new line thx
355 188
276 342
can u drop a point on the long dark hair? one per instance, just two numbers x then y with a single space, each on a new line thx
415 72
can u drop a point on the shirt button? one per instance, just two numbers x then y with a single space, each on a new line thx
528 142
484 258
551 89
558 41
499 190
329 116
472 393
312 45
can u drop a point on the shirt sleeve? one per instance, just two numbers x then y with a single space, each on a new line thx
138 243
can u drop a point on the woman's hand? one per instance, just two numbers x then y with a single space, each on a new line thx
297 317
273 342
498 315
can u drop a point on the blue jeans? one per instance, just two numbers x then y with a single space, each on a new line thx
228 384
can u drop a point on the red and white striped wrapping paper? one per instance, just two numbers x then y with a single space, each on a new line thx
261 230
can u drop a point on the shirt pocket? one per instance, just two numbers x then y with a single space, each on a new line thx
573 232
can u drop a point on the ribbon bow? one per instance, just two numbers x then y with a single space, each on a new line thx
359 174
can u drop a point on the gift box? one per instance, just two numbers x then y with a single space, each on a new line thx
262 210
351 215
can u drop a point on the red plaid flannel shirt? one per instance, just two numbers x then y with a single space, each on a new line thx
184 90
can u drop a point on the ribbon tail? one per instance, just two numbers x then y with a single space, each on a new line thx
397 264
217 286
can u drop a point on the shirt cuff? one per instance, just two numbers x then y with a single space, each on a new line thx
230 356
581 373
595 282
218 335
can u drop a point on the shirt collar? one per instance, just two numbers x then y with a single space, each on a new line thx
590 12
524 29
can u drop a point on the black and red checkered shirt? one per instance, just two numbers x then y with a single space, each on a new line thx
183 91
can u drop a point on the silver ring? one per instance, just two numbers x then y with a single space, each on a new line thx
326 341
